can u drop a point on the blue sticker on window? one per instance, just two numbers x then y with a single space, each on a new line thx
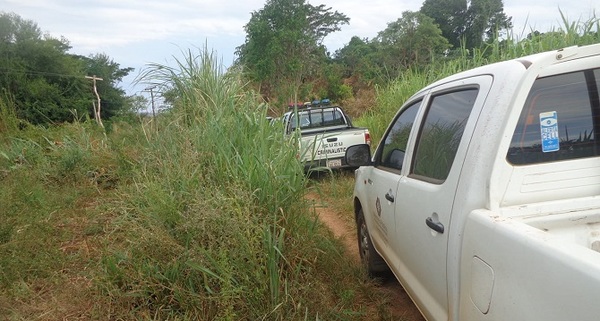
549 131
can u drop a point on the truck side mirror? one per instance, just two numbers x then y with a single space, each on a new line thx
358 155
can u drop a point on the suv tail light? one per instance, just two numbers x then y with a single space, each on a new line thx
368 138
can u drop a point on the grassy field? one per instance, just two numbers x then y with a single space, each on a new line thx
197 214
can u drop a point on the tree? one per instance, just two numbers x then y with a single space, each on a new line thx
471 22
283 44
486 18
450 15
37 74
412 39
45 82
358 58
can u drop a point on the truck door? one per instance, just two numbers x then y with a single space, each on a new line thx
384 178
425 196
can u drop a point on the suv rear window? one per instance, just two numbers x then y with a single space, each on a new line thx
560 120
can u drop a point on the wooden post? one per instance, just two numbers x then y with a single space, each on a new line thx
152 99
96 109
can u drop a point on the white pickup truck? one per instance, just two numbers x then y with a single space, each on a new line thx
483 196
325 133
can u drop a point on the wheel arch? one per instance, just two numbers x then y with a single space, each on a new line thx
357 207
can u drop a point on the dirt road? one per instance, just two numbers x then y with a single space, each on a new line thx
401 306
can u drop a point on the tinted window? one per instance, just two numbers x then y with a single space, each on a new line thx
441 133
394 144
559 121
317 118
332 118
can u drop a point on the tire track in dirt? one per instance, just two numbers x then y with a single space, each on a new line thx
400 304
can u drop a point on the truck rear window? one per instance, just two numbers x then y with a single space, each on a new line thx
560 120
317 118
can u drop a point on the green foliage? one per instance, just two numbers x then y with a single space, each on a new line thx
450 15
357 58
46 83
283 46
436 152
197 86
486 22
468 23
344 92
38 74
413 39
45 191
30 246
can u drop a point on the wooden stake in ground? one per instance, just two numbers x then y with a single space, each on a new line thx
96 109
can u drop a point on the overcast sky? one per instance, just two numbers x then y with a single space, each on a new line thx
136 32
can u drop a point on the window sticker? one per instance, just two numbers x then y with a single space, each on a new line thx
549 131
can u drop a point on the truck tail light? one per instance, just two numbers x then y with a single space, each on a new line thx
368 138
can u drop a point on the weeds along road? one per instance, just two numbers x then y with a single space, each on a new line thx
400 305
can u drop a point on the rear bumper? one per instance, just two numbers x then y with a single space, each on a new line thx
325 164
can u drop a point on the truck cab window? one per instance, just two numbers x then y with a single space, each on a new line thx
394 143
332 118
315 118
572 103
441 133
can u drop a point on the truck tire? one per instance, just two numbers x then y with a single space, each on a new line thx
374 264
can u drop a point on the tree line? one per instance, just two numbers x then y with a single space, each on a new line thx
46 84
283 57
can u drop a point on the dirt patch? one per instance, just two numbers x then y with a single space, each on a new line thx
400 305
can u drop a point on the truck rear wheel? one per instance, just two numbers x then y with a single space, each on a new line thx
371 260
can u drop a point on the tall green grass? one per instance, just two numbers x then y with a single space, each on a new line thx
8 119
48 182
196 215
213 226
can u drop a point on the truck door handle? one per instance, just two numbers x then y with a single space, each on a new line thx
334 139
436 226
389 196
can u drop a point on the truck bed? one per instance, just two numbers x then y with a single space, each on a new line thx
580 226
542 254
